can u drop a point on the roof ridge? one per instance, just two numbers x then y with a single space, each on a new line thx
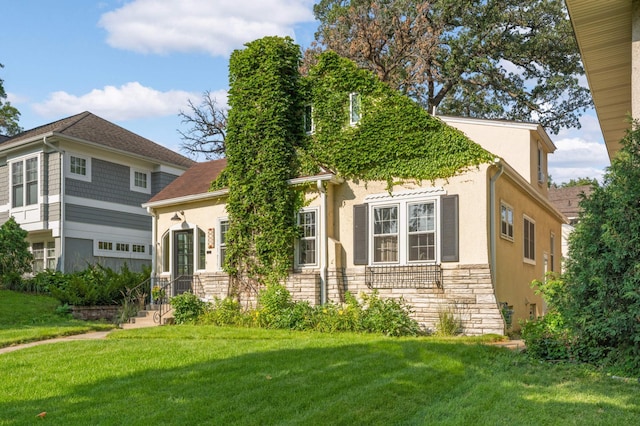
74 119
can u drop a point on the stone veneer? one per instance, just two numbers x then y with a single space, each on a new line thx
466 290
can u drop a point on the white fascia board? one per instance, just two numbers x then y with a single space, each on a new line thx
532 127
186 199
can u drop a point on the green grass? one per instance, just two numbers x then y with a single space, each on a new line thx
25 318
209 375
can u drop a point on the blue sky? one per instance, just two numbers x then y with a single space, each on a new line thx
138 62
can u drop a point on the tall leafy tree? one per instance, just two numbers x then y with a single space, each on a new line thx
264 126
601 298
479 58
9 115
15 257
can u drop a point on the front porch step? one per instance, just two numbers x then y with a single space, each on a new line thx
145 318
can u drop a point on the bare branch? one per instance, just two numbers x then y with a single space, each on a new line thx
207 128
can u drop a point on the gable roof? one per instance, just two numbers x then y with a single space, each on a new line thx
89 128
567 200
196 180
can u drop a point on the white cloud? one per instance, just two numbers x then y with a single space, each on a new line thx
215 27
15 98
127 102
577 157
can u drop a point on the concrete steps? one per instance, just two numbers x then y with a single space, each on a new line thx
145 318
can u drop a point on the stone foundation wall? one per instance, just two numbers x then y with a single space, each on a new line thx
94 313
466 290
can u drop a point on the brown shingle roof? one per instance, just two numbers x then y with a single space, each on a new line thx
91 128
196 180
567 200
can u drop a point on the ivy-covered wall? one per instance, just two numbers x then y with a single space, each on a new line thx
394 140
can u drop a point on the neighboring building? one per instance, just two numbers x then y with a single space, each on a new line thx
608 35
472 243
76 185
567 201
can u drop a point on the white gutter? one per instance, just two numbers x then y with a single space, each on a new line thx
154 239
492 218
323 242
62 202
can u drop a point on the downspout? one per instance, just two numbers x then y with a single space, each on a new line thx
492 218
323 242
154 245
62 203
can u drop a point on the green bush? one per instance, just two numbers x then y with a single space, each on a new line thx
96 285
548 337
187 308
449 322
225 311
345 317
275 307
388 316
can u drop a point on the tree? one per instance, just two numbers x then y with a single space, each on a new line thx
15 257
581 181
479 58
9 115
207 132
601 298
264 127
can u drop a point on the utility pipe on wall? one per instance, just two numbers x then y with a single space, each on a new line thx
492 218
62 203
323 242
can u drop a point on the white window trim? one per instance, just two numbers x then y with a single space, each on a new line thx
114 252
219 242
70 174
535 242
23 160
132 181
352 96
402 202
309 117
540 166
298 265
507 236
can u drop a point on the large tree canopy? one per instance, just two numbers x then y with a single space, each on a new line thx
9 115
480 58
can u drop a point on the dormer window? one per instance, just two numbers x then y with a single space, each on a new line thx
355 108
308 119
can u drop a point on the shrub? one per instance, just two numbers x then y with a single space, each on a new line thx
389 316
225 311
449 322
548 337
187 308
345 317
275 307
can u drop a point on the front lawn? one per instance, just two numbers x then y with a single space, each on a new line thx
26 317
210 375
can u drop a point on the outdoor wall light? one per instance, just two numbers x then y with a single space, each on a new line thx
175 217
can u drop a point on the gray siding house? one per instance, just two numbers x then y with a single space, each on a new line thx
77 185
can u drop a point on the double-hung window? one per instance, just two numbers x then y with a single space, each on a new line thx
506 222
385 234
422 232
307 243
355 107
222 246
24 182
308 119
529 240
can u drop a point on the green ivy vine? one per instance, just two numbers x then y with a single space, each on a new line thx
266 145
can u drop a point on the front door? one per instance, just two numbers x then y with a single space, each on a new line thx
183 260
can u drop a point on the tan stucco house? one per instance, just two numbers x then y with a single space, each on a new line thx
471 243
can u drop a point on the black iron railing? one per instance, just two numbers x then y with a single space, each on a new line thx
412 276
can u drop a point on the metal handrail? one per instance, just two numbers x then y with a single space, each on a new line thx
169 288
